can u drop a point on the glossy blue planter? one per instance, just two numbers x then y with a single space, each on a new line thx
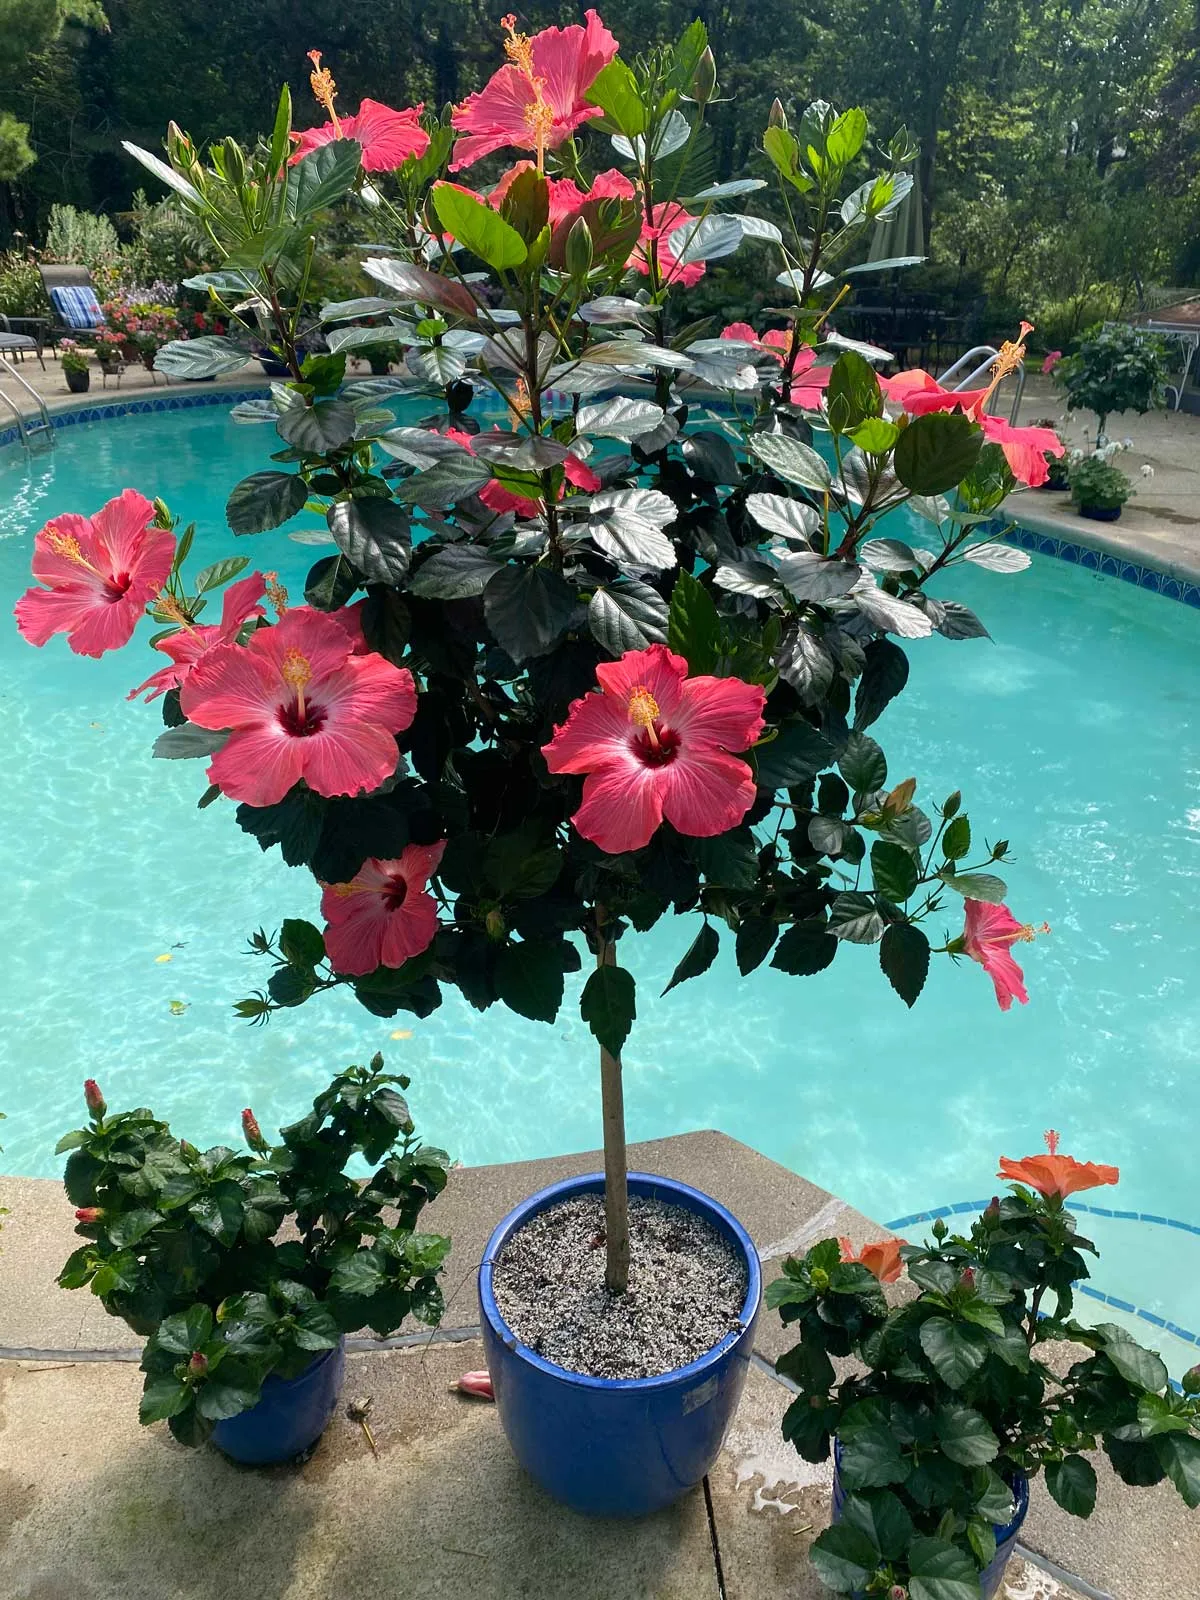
617 1447
290 1417
1006 1537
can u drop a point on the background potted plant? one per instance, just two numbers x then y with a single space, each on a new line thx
74 360
109 345
246 1329
1098 488
1116 368
615 657
963 1392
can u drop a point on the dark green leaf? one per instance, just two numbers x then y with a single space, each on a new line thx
1135 1364
163 1397
607 1006
798 752
130 1226
319 429
882 1517
300 944
701 954
265 500
904 957
956 1350
186 1331
884 676
809 576
455 573
853 394
220 1210
528 609
863 764
805 948
1180 1456
965 1436
375 536
1072 1482
220 572
628 615
871 1459
729 859
529 979
755 937
941 1571
323 176
893 871
937 451
330 583
854 917
842 1556
956 841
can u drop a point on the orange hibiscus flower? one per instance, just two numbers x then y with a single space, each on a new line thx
881 1257
1053 1174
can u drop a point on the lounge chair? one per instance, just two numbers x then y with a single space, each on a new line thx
73 302
15 343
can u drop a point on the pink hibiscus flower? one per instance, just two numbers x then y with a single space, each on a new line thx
99 574
809 381
190 644
536 100
988 937
665 218
300 704
385 915
387 137
655 743
1053 357
500 499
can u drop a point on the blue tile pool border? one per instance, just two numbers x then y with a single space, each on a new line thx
1098 561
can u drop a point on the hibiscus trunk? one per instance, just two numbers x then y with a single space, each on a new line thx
616 1184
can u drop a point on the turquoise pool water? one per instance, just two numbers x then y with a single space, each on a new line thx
1076 734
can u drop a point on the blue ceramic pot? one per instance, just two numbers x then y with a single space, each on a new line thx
1100 513
617 1447
290 1417
1006 1537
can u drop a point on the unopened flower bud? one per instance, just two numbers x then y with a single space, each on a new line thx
494 923
162 515
252 1132
992 1212
897 1592
704 79
967 1280
478 1384
187 1149
88 1214
94 1099
777 116
939 1230
1191 1381
198 1365
579 249
820 1278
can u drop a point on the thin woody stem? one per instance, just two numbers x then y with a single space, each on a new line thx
616 1167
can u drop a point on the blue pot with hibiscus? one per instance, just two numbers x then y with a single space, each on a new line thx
289 1418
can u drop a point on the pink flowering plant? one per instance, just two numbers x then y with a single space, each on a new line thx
603 637
239 1264
964 1388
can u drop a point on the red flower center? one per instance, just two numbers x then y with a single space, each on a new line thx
395 892
116 587
656 745
299 720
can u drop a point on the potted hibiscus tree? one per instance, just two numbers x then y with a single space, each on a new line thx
963 1391
598 642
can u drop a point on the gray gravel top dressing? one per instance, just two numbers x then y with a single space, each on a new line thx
687 1286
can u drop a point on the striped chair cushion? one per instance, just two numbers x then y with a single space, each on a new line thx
77 306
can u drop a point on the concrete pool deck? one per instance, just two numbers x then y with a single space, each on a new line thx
95 1507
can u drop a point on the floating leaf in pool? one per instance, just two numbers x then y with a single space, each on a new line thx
177 1007
166 956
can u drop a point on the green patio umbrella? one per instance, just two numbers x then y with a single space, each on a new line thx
900 237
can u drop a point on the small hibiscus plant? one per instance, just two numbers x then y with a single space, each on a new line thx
601 638
966 1388
184 1245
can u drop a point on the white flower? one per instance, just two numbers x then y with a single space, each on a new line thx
1147 470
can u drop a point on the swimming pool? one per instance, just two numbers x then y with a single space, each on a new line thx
1077 732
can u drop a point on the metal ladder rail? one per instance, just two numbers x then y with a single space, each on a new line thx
982 371
24 432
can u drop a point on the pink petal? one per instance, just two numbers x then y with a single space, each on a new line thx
257 765
579 474
240 602
419 862
312 139
719 714
478 1384
409 930
343 758
355 929
622 806
1007 979
655 669
388 137
121 527
597 731
232 687
106 625
51 568
741 331
706 794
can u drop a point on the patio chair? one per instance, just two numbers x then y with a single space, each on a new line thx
73 303
15 343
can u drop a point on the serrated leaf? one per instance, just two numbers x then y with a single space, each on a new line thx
788 518
210 356
854 918
527 609
417 284
941 1571
965 1435
884 676
619 418
894 872
627 525
805 663
956 621
976 886
889 612
220 572
608 1007
1135 1364
700 955
904 958
805 948
809 576
956 1351
323 176
888 555
755 939
842 1556
934 453
375 536
1072 1483
455 573
264 500
529 979
798 752
627 615
863 764
694 627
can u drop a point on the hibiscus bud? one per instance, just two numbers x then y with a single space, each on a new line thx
704 80
820 1278
162 515
939 1230
494 923
1191 1381
93 1097
579 249
188 1150
991 1214
777 116
253 1133
478 1384
198 1365
897 1592
967 1281
88 1214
